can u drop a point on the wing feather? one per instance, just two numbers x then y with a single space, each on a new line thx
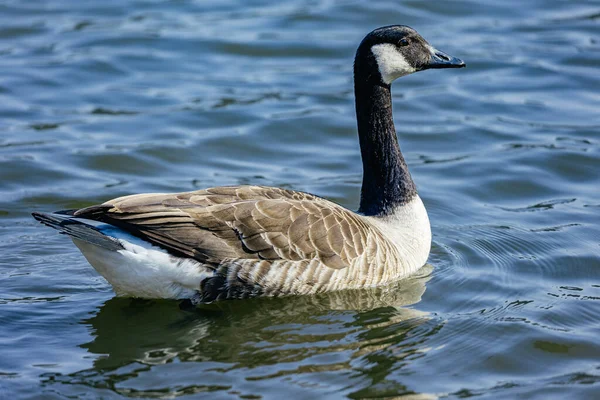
245 222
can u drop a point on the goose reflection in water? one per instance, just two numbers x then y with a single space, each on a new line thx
253 339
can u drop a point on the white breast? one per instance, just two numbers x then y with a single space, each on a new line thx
409 230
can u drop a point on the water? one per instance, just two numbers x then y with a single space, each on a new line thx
100 99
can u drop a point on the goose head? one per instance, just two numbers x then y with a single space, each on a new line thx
391 52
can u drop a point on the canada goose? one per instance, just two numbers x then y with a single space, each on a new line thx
244 241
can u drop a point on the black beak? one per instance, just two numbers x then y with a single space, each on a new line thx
440 59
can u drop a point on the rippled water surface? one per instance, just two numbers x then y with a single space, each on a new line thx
100 99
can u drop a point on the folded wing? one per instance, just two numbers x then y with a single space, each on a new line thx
240 222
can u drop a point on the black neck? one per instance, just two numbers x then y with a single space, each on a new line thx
386 180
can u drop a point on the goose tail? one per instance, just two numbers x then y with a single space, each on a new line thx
78 228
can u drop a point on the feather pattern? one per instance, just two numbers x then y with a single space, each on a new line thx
260 240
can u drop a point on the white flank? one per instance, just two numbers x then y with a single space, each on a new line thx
392 64
143 270
408 228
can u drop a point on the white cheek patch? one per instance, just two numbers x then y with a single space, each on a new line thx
392 64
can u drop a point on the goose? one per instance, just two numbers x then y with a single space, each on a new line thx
235 242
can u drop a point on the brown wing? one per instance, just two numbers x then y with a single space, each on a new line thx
249 222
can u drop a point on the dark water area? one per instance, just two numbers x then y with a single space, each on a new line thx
100 99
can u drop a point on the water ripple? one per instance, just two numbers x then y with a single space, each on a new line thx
100 100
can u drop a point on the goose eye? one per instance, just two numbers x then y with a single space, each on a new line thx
403 42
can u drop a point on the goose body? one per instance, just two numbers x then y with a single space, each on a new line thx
244 241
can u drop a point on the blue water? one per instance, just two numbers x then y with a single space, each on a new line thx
100 99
